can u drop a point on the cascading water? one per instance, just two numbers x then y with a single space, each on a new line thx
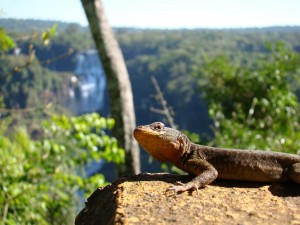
87 89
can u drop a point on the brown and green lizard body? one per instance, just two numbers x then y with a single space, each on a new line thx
208 163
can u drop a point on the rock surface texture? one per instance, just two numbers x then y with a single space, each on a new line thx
142 199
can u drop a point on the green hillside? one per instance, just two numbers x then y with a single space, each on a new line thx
172 56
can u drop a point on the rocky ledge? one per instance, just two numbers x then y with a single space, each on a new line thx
142 199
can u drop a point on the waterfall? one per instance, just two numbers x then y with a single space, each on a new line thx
87 85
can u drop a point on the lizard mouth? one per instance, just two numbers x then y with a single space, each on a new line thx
137 132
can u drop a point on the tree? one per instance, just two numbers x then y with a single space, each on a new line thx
119 87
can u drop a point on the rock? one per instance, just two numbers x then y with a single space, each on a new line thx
141 199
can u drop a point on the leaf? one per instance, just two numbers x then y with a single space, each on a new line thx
6 42
49 34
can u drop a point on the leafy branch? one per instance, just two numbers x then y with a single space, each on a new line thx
46 37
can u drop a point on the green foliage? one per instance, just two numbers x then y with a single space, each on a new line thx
49 34
6 42
169 55
253 107
194 137
32 86
172 57
40 179
25 83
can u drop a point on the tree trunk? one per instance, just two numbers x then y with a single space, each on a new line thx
119 87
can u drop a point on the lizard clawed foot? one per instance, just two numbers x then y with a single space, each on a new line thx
181 187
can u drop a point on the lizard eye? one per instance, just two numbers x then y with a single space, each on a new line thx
158 126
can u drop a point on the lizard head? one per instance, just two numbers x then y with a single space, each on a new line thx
163 143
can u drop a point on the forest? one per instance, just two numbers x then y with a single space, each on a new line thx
174 57
235 88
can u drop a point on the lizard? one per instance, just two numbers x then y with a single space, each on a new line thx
209 163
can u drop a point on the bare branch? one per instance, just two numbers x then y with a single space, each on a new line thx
165 110
30 58
158 111
26 110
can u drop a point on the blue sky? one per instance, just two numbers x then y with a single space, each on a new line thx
164 13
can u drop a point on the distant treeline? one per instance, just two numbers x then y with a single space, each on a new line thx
172 56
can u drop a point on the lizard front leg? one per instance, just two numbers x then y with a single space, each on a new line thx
204 171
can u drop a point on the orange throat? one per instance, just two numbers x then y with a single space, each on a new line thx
160 148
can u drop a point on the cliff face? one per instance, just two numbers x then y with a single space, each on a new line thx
142 199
